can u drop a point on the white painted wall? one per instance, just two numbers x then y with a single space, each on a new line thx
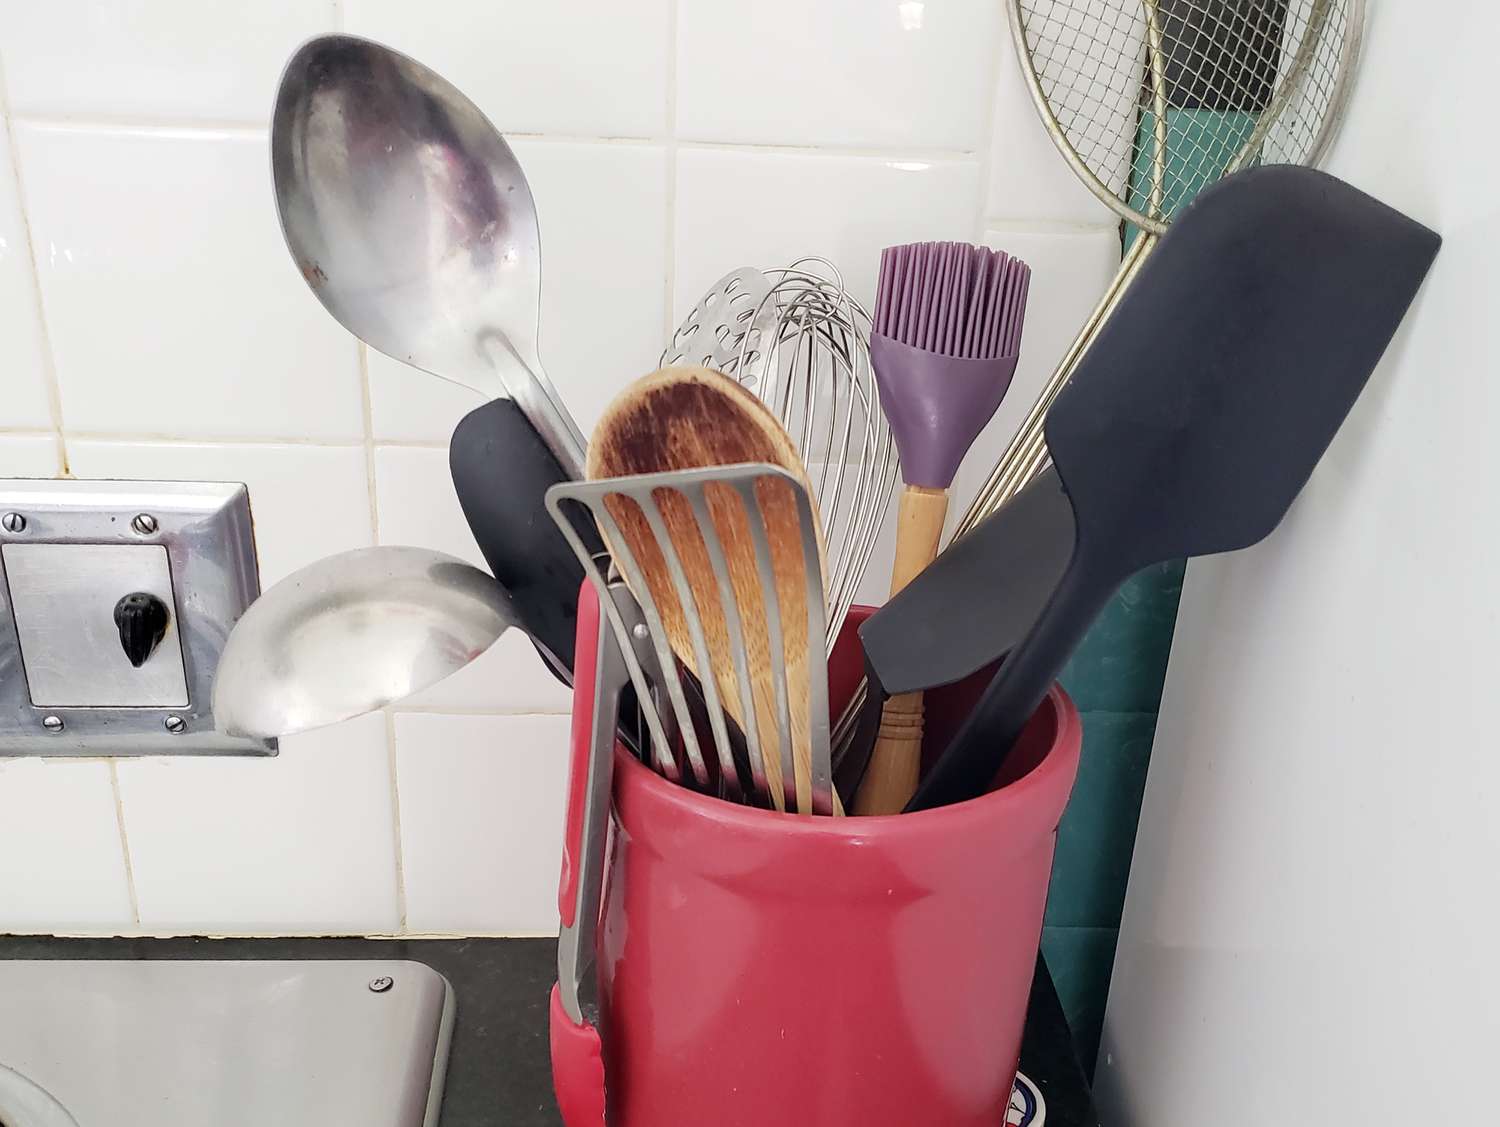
1310 931
152 325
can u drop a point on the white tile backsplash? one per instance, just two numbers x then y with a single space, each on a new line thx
594 68
28 455
909 74
301 843
1029 177
24 405
666 141
482 801
170 60
307 501
418 506
172 307
1070 272
62 866
739 208
603 216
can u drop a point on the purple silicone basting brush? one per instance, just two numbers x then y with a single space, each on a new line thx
947 332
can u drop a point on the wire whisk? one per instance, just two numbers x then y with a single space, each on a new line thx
802 345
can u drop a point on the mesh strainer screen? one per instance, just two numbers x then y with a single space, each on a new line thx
1233 82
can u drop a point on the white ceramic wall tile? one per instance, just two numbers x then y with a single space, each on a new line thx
410 405
172 306
1069 272
308 501
173 60
767 209
603 214
481 821
62 867
296 844
28 455
417 505
1029 178
581 67
22 359
837 72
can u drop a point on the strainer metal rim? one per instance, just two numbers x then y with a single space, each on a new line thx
1353 40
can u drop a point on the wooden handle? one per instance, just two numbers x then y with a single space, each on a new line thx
896 761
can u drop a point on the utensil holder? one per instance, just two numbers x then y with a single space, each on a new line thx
758 969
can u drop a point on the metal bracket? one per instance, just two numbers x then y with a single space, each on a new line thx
205 531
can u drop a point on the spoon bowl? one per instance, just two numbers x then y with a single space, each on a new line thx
352 633
411 220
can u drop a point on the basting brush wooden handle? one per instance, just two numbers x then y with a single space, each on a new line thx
896 761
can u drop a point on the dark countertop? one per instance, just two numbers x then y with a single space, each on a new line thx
499 1074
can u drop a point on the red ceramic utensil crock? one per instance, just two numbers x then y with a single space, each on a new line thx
759 969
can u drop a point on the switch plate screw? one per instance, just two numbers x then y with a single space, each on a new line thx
52 723
144 523
14 522
175 724
382 984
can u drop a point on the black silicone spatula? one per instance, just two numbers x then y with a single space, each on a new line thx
1203 406
978 599
501 472
964 610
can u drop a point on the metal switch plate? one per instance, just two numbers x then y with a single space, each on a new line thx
69 551
63 597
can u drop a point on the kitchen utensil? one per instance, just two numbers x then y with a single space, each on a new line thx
963 612
725 559
1255 82
714 330
976 600
947 336
804 351
1203 407
577 1054
351 633
411 220
682 418
501 472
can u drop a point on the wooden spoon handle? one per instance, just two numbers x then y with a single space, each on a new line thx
896 759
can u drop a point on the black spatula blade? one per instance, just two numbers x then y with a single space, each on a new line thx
501 472
978 598
1203 406
1207 399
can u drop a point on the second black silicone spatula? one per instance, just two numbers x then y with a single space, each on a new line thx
1203 407
501 471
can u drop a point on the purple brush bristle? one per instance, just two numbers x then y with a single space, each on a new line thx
947 332
952 299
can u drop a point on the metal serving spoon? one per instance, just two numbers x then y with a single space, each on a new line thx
351 633
410 218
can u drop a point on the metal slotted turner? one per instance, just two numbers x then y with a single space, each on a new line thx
705 551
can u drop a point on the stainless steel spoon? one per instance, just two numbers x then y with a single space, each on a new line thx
352 633
410 218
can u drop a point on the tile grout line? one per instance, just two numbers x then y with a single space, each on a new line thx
49 361
669 265
135 900
987 140
134 438
248 128
390 751
368 413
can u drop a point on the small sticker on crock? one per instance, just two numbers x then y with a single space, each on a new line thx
1027 1108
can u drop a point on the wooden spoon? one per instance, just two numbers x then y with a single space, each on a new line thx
688 418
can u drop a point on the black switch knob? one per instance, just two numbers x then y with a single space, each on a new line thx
142 621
